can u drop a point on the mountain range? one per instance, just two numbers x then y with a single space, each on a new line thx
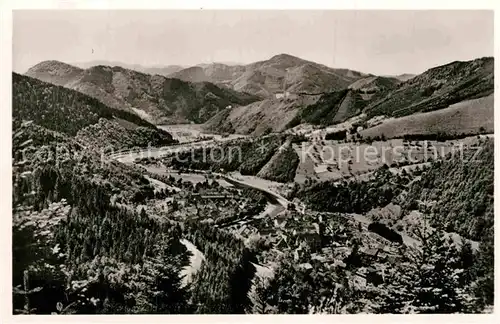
164 70
280 73
155 98
269 95
433 89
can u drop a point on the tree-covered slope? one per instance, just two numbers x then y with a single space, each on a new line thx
282 166
75 249
459 192
438 88
70 112
245 156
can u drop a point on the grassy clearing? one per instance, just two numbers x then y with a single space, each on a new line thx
464 117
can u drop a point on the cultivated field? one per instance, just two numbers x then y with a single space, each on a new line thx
330 160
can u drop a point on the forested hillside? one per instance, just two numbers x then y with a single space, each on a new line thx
118 135
437 88
71 112
60 109
331 108
222 285
282 166
81 246
245 156
459 193
354 196
72 244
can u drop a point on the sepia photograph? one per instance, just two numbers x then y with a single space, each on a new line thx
252 162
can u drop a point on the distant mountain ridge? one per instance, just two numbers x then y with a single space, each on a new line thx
154 97
402 77
273 94
155 69
55 72
205 89
280 73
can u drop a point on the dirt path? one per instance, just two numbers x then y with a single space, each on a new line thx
195 262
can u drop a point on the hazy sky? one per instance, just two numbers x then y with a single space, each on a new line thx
380 42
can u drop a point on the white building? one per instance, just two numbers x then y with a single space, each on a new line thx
281 95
